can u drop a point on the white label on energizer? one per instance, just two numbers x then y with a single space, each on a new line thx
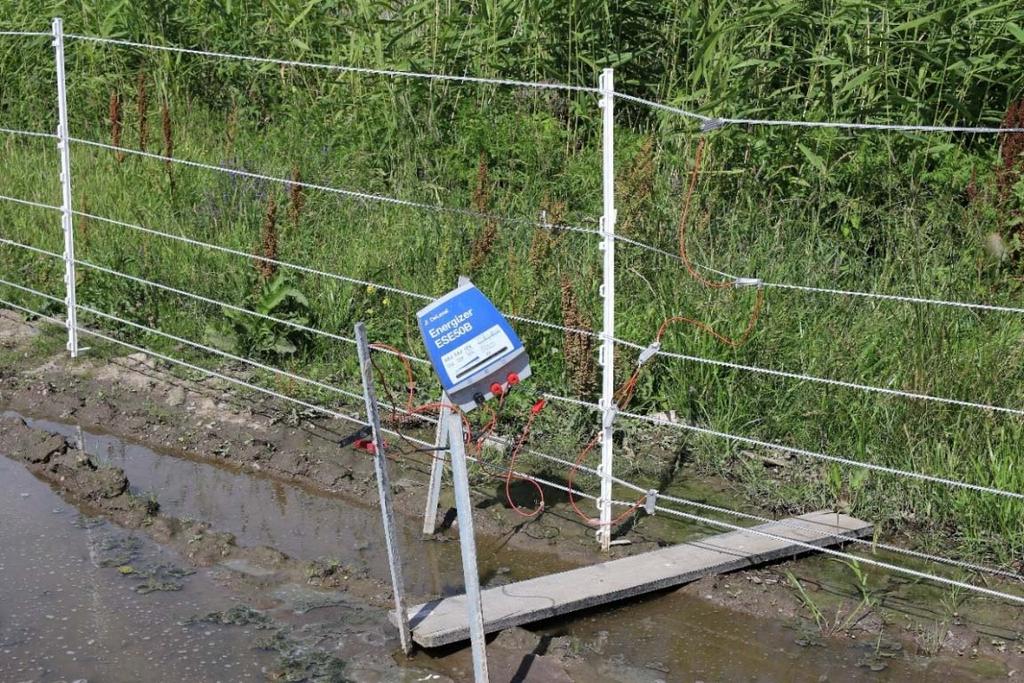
476 353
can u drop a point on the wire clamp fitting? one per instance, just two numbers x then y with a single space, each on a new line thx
651 501
748 282
647 354
708 125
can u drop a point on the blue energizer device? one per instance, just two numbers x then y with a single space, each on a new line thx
475 352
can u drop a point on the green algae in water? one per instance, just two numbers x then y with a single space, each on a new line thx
240 615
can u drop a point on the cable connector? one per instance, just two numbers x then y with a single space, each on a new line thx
538 406
647 354
360 438
367 446
748 282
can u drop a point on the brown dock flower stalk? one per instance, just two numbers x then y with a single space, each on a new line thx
1011 151
484 242
268 241
1010 172
636 187
577 347
296 197
115 124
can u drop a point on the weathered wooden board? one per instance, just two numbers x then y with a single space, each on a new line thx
443 621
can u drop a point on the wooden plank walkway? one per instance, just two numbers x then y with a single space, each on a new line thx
443 621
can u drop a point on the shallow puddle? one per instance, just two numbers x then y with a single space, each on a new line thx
261 511
67 616
678 636
681 637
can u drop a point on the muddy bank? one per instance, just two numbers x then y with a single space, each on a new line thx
134 397
285 619
621 643
104 490
303 522
794 618
346 602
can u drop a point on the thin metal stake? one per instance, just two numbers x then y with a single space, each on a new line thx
67 223
607 358
467 542
380 463
441 442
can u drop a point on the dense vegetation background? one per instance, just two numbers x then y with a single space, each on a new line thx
936 216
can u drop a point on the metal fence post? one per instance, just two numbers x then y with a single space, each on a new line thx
441 442
383 488
607 355
467 543
63 144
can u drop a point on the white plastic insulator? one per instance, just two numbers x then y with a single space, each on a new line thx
648 353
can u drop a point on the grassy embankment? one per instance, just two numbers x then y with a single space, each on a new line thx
887 212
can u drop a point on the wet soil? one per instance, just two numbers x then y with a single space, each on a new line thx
69 611
273 516
303 631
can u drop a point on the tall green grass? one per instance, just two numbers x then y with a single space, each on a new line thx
932 61
871 211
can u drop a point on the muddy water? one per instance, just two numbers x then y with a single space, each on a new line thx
261 511
65 616
58 593
681 637
304 524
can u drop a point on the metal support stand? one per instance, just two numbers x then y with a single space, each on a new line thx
441 444
467 542
607 356
64 146
383 488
